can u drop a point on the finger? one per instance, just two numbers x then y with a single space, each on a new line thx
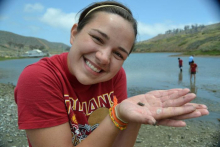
142 117
163 113
194 114
204 112
175 94
149 120
179 101
198 106
163 93
171 123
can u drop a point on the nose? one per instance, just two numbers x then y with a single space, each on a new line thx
103 56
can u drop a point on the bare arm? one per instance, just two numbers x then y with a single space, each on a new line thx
128 136
51 137
167 98
60 136
168 108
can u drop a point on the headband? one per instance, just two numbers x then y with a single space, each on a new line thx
102 7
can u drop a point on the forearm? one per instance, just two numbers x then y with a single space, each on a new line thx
128 136
103 136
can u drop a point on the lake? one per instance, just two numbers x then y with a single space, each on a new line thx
160 71
148 71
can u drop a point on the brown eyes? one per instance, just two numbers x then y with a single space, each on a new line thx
98 40
119 55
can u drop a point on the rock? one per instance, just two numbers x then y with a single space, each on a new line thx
138 141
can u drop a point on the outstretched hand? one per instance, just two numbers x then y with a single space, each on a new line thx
166 107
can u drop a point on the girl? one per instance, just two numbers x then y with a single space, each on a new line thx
62 100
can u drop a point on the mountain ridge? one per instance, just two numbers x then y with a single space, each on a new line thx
197 40
12 44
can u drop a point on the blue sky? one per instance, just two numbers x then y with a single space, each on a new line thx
53 19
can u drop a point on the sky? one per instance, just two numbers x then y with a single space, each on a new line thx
52 19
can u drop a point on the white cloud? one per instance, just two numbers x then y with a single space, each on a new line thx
155 29
33 7
152 30
211 22
58 19
147 31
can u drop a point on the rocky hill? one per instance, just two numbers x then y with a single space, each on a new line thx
192 40
13 44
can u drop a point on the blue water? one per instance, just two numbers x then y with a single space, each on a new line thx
150 71
11 69
160 71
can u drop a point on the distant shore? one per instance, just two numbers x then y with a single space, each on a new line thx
183 55
179 54
197 133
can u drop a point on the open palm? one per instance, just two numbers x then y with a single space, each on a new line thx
166 107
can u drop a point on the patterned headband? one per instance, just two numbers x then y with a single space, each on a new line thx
102 7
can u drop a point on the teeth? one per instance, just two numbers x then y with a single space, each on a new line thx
92 67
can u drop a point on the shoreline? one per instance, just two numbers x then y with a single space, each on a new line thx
182 54
179 55
197 133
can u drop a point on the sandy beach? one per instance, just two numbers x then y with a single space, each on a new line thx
204 132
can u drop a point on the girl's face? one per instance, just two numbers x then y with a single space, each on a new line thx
100 48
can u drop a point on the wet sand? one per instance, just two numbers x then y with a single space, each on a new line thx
203 132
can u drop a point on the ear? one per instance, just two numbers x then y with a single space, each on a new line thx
73 33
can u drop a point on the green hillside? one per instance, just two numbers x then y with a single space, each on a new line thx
198 40
14 45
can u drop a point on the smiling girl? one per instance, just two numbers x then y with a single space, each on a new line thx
80 97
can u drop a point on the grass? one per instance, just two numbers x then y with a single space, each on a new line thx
199 52
10 58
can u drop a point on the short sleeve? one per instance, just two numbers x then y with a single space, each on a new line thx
39 97
120 85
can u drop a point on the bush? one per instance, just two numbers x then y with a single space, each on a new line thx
182 43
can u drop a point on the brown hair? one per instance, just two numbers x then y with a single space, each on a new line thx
116 8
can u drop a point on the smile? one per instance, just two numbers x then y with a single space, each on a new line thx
92 67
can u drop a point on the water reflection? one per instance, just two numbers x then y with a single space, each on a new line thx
193 87
180 77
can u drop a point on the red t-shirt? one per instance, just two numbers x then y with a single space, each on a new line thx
48 95
180 62
193 67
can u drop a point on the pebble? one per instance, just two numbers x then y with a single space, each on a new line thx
197 133
10 136
138 141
